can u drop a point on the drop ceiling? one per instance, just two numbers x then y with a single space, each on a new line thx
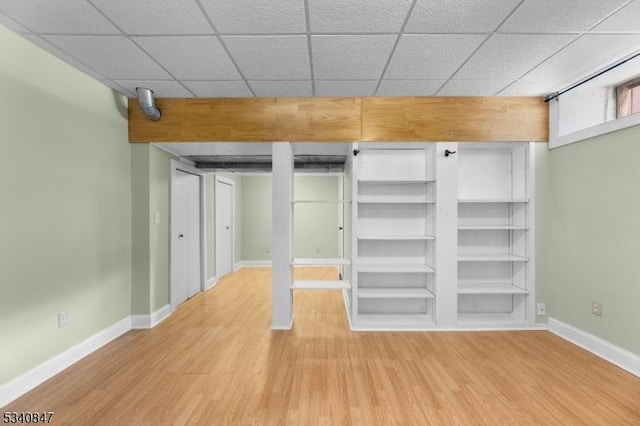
246 48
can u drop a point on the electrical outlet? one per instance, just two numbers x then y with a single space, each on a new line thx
63 319
541 308
596 308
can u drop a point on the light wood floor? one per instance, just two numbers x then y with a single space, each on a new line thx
215 361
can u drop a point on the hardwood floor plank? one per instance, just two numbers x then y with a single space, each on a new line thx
216 361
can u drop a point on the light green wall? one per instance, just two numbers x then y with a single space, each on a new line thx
589 235
65 205
150 184
256 217
315 225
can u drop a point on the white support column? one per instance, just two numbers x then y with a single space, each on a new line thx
446 235
282 244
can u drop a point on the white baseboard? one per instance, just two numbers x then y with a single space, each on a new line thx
211 282
251 264
34 377
614 354
150 321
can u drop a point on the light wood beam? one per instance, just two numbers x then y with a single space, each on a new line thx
454 119
343 119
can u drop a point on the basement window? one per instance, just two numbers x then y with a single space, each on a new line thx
628 98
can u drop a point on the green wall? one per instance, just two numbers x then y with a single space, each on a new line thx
150 185
588 235
65 191
313 223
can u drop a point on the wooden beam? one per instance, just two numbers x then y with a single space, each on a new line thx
343 119
454 119
250 119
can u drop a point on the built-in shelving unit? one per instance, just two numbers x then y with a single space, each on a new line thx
494 277
394 236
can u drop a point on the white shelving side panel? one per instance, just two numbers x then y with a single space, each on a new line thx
381 293
321 285
319 262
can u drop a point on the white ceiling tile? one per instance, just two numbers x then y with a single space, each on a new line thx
423 57
409 87
115 86
558 16
459 16
190 58
281 88
271 57
346 87
257 16
350 57
63 56
12 25
626 19
508 56
60 16
577 60
114 57
218 89
357 16
528 88
156 17
160 88
473 87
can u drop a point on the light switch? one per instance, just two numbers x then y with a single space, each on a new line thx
157 218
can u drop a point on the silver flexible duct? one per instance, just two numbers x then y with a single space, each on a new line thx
148 107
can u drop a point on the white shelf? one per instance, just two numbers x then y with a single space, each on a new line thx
489 320
319 262
491 258
489 288
395 181
492 200
364 200
395 267
320 285
321 201
491 227
390 321
395 237
381 293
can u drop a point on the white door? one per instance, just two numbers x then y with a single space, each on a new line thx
224 228
185 238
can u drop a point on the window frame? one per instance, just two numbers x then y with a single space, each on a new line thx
623 103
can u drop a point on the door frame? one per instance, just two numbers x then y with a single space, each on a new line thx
230 182
174 167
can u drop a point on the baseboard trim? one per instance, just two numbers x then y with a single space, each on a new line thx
43 372
211 282
347 307
150 321
251 264
614 354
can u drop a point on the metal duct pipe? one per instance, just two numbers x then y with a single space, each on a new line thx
148 107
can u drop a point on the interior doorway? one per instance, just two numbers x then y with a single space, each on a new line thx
186 230
224 211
